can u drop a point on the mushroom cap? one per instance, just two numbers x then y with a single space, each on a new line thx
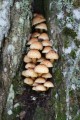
41 26
44 36
35 34
28 81
47 75
34 88
40 88
52 55
38 15
48 84
46 49
46 43
30 65
36 45
29 73
32 40
35 84
41 59
34 54
40 80
37 20
47 63
41 69
27 59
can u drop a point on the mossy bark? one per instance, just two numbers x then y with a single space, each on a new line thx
13 47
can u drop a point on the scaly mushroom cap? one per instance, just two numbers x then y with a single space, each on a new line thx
52 55
30 65
43 36
48 84
40 88
46 49
40 80
32 40
28 81
47 63
37 20
35 34
46 43
41 26
41 59
29 73
27 59
41 69
34 54
47 75
36 45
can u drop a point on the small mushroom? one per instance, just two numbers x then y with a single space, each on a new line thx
46 49
30 65
40 69
36 20
52 55
38 15
28 81
47 63
48 84
35 84
40 88
35 35
46 43
43 36
41 27
32 40
27 59
29 73
36 45
41 59
34 54
40 80
47 75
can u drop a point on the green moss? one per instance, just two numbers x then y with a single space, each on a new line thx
77 42
69 32
73 54
76 3
39 114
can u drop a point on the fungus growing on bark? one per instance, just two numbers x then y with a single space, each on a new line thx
34 54
37 20
36 45
32 40
46 49
35 35
30 65
47 63
44 36
48 84
39 57
46 43
28 81
41 27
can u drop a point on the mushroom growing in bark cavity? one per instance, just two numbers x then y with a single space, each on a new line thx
40 56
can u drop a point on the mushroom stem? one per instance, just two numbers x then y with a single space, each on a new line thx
34 60
52 60
39 74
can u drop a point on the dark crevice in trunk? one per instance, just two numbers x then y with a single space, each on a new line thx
41 99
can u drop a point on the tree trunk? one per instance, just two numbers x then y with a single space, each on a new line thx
63 101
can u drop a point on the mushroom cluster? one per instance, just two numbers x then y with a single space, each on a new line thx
40 56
